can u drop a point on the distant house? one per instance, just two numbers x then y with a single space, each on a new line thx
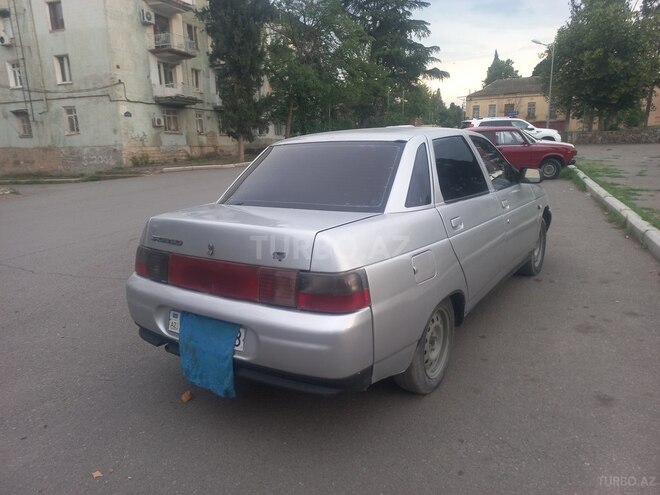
523 97
517 97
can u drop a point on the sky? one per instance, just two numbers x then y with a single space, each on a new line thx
469 31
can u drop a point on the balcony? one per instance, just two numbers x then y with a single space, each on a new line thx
173 48
169 8
176 95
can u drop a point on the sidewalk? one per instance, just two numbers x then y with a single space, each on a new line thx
638 166
633 166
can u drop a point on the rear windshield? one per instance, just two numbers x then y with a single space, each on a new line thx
341 176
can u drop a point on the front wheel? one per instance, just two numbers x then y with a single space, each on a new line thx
550 168
431 356
534 264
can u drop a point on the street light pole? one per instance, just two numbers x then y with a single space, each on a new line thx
552 68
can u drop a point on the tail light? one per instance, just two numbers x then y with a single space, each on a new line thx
333 293
307 291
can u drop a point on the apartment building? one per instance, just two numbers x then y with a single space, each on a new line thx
86 85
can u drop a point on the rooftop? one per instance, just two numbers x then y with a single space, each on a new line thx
513 86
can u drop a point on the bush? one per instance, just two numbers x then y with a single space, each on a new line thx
140 160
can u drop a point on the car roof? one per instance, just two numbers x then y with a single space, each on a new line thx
395 133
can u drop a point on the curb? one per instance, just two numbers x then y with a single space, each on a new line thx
644 232
204 167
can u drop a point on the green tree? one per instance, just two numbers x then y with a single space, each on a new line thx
599 69
313 50
500 69
394 44
392 31
236 28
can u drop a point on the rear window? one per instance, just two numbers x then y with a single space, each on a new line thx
340 176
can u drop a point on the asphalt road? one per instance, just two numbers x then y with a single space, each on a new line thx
553 385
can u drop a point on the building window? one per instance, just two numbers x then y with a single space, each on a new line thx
475 111
166 74
6 24
55 15
553 111
171 120
191 41
531 110
199 119
509 110
196 76
15 76
23 124
62 69
492 110
72 126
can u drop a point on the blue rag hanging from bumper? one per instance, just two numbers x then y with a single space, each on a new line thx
206 347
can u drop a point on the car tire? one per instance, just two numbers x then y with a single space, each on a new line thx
534 264
548 138
550 168
431 356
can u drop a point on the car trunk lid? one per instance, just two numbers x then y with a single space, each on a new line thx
271 237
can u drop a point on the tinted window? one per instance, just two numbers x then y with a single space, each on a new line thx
501 173
419 191
343 176
459 173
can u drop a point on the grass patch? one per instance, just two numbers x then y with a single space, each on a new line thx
600 173
571 174
598 170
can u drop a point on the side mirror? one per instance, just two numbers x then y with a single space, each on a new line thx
530 176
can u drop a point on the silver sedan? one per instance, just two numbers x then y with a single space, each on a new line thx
339 259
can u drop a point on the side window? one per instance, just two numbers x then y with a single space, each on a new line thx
501 173
459 173
419 190
520 124
509 138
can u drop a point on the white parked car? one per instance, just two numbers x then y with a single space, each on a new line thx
538 132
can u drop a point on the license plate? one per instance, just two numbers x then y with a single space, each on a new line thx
174 325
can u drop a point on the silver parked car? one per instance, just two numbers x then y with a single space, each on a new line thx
339 259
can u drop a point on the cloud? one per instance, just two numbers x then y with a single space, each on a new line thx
469 31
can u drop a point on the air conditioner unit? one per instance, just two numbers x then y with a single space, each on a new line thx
4 39
147 17
157 122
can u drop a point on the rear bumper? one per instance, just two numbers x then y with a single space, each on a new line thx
309 384
295 349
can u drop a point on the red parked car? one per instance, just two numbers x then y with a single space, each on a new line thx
523 150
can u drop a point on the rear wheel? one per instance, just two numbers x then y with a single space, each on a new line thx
431 356
550 168
535 262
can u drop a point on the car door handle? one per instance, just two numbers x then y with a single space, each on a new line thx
457 223
505 204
